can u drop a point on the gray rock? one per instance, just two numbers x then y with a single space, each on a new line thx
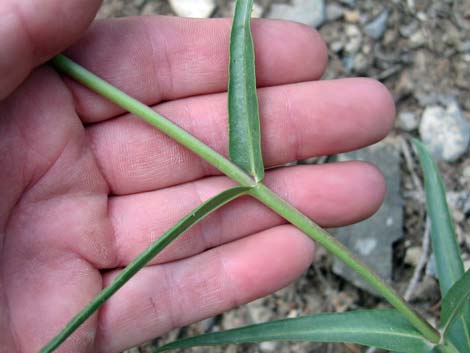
207 324
193 8
372 239
348 63
309 12
445 132
334 12
376 28
408 29
408 121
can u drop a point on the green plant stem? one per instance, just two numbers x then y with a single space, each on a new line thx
145 257
260 192
315 232
98 85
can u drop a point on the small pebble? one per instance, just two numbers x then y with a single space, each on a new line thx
412 256
309 12
336 46
408 29
268 346
352 16
193 8
354 39
408 121
366 49
376 28
334 12
466 172
445 132
427 289
259 312
417 39
257 11
348 63
459 204
361 63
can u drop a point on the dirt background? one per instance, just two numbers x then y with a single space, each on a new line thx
423 57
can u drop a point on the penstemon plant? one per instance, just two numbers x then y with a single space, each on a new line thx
400 329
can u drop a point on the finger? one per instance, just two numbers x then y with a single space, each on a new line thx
163 58
176 294
34 31
297 121
332 195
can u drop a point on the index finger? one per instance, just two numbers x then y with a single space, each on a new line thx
163 58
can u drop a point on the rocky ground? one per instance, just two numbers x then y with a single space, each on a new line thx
420 49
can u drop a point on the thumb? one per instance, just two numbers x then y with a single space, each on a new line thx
32 31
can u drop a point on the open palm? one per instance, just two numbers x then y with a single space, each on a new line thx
85 187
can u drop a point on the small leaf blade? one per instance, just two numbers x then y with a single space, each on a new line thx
444 243
444 240
244 124
386 329
453 302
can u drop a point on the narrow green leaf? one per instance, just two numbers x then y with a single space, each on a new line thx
139 262
444 240
453 302
386 329
444 244
244 125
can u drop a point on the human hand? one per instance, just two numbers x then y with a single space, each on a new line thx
85 187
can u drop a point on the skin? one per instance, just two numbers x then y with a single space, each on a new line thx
84 187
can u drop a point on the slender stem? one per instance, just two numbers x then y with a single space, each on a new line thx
144 112
290 213
140 261
260 192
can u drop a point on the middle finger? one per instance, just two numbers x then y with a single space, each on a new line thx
297 121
